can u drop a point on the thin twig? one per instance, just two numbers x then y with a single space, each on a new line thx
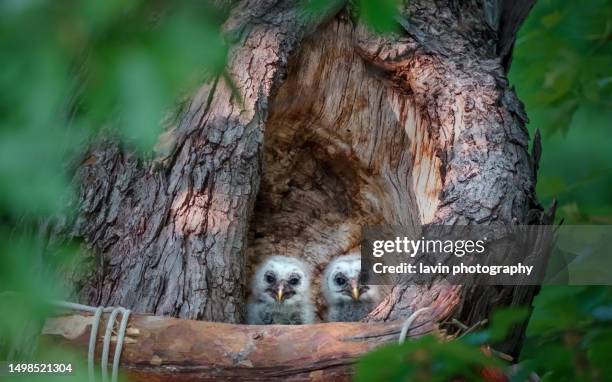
471 328
459 324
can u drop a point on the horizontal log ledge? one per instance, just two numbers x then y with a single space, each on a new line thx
169 349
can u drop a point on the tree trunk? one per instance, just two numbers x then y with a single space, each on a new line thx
169 237
333 127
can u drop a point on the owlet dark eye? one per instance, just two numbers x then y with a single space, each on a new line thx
294 280
269 277
340 280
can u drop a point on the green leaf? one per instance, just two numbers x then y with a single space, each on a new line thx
502 321
380 15
552 19
425 359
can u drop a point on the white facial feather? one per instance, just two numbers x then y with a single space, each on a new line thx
348 298
280 292
282 267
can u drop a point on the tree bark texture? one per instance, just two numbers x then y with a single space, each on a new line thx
334 127
170 240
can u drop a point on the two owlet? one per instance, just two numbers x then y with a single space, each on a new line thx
348 297
280 293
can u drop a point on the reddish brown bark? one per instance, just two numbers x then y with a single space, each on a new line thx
168 349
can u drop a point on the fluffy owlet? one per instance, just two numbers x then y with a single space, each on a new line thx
280 293
348 298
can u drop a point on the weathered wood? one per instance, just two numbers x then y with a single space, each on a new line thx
168 349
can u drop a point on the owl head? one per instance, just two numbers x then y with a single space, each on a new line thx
344 281
281 279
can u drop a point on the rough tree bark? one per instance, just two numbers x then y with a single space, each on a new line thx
336 127
171 240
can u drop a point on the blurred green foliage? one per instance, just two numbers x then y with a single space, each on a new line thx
561 71
569 337
69 70
429 359
425 359
380 15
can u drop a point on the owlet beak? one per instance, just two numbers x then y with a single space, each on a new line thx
279 294
355 290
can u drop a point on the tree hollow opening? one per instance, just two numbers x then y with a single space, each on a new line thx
343 149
